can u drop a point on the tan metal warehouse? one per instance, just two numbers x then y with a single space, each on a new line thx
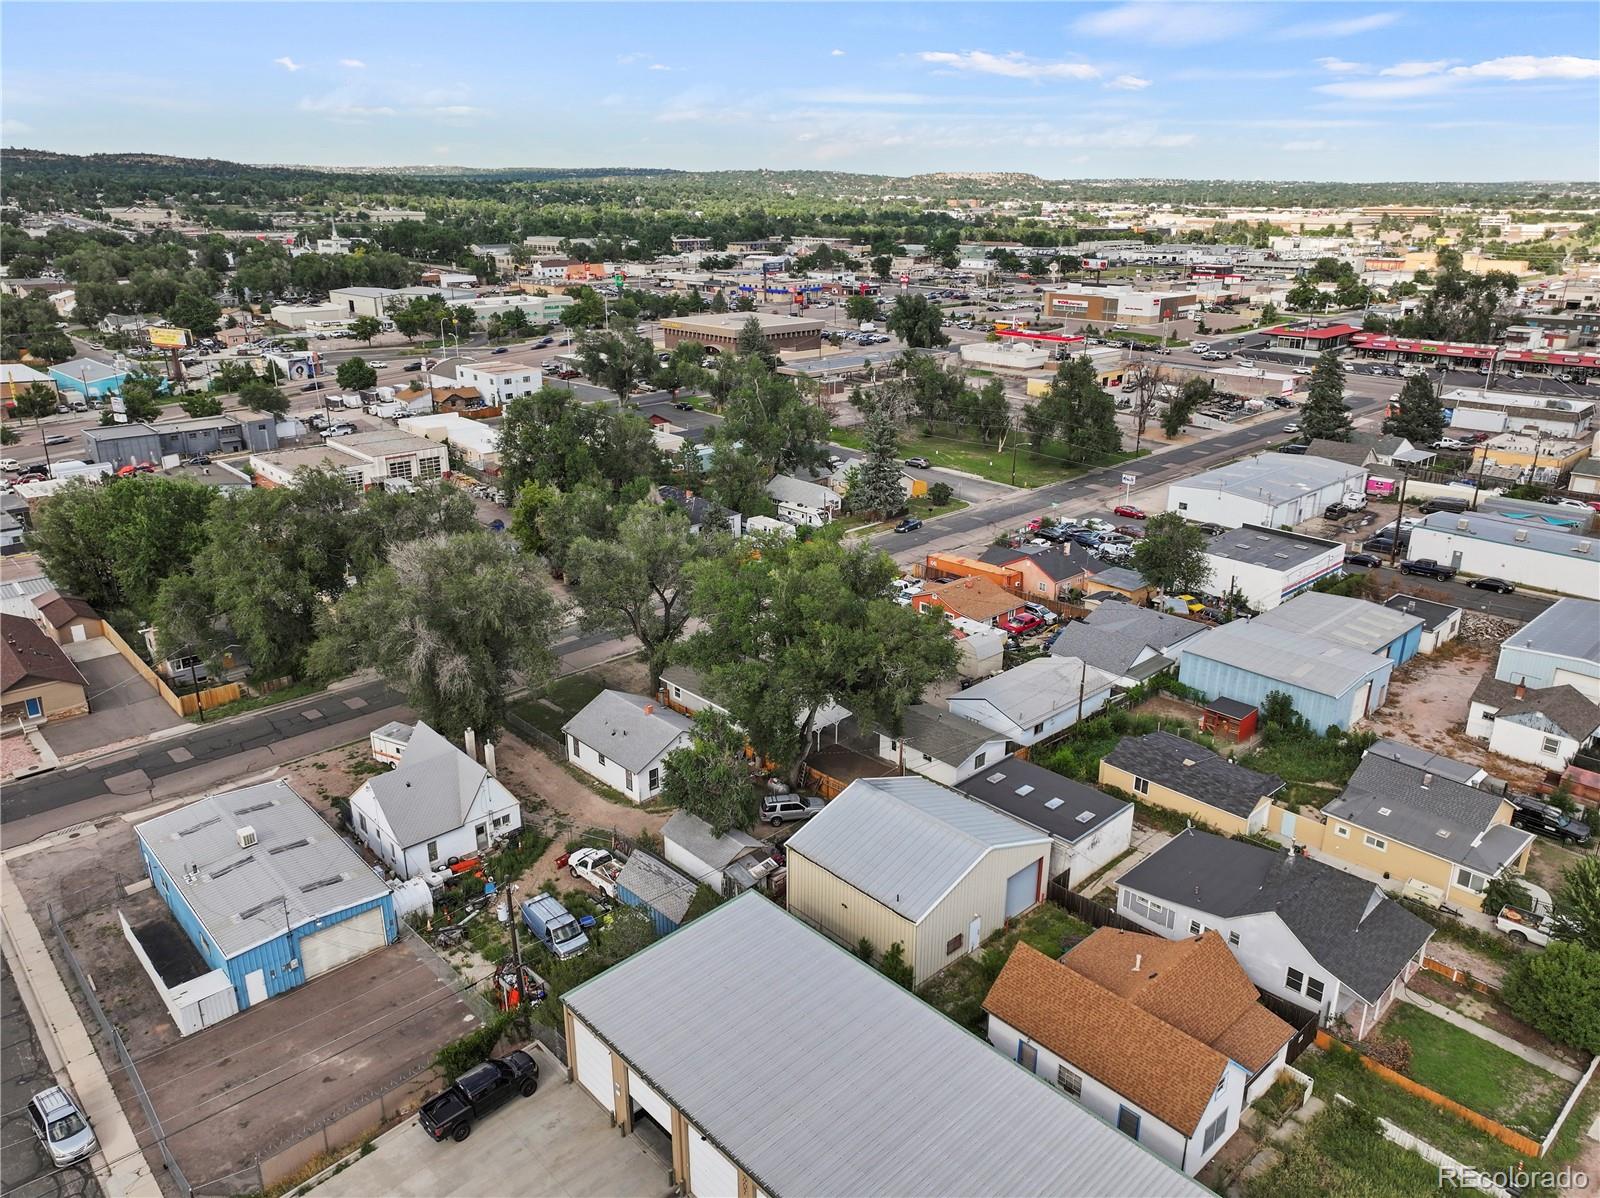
868 1090
907 860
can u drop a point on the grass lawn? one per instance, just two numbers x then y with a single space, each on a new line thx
550 708
297 690
923 509
1342 1154
1307 760
1477 1074
959 990
1018 465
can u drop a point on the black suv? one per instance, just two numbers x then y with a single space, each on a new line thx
1548 820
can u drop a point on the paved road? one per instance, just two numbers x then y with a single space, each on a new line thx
25 1169
1518 605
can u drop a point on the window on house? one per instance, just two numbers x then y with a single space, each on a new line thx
34 707
600 757
1551 746
1295 981
1314 989
575 747
1141 786
654 780
977 762
894 746
1128 1122
433 851
1195 927
1038 728
1183 507
627 779
1468 880
1214 1131
1027 1055
1069 1081
1375 842
1233 938
361 821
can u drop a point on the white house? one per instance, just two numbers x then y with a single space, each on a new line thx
1034 701
1307 932
730 863
1164 1040
1269 565
500 382
437 803
623 740
687 690
1542 726
939 745
1088 828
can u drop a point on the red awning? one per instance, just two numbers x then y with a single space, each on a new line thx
1550 357
1332 330
1446 348
1027 336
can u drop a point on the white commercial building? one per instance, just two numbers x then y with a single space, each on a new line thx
1267 565
1493 546
500 382
363 458
476 443
300 316
1270 489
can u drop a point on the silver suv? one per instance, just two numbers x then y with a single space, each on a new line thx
61 1126
780 809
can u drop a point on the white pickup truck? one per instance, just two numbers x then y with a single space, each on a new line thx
597 867
1527 926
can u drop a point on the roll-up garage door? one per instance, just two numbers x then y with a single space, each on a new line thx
711 1175
1358 702
344 941
1022 889
594 1064
655 1105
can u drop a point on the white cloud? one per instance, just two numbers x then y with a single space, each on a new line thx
629 59
1346 28
1387 89
9 127
1128 83
353 63
836 53
1014 65
1526 66
287 63
659 66
1340 66
858 98
1414 70
1168 24
1311 146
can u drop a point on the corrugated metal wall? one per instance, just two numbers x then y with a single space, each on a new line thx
845 913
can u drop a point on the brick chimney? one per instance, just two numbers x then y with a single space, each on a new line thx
1522 688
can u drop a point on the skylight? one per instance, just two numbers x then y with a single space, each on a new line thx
1052 804
1025 789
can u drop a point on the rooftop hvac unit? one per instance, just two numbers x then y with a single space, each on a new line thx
247 837
1521 535
1583 547
1463 524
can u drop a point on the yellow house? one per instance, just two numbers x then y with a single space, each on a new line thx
1436 835
1531 458
37 680
1166 770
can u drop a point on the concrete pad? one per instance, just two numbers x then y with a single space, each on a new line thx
562 1143
356 704
180 754
311 713
132 782
89 650
1259 1164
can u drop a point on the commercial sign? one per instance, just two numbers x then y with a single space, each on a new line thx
1096 264
1129 479
165 338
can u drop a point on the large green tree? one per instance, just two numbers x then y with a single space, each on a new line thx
1418 415
1325 416
1578 902
201 403
36 400
261 396
917 321
1180 407
798 625
142 395
366 328
1172 554
618 361
710 777
636 583
875 483
195 311
354 374
1557 992
1075 411
29 326
455 622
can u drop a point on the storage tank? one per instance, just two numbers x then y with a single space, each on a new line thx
410 897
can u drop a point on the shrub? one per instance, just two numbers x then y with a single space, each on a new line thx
864 949
894 965
1557 992
476 1047
939 494
1391 1052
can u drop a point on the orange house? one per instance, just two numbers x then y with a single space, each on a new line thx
1044 573
974 598
950 565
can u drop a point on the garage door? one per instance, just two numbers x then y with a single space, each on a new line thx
1358 703
345 941
594 1064
711 1175
641 1093
1022 889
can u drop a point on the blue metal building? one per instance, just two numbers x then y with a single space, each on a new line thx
88 377
265 889
654 886
1353 623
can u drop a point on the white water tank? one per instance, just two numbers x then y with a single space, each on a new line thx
410 897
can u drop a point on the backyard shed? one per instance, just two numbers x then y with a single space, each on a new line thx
655 887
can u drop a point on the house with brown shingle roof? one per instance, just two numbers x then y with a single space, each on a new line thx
974 598
37 680
66 618
1163 1039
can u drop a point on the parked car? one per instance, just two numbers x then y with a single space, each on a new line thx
595 866
61 1125
909 524
10 464
783 809
1498 585
340 430
1131 531
477 1092
1128 510
1211 530
1370 560
1428 568
1526 926
554 926
1548 820
1046 616
378 365
684 407
919 463
1020 623
312 387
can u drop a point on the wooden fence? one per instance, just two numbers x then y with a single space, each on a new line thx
1096 915
1459 976
1304 1020
182 705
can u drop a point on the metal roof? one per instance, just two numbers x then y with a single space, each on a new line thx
629 729
1370 627
1567 628
1257 545
1036 690
1113 635
1307 662
906 841
1422 759
431 790
1043 799
1502 530
1432 614
298 870
653 881
881 1093
1271 477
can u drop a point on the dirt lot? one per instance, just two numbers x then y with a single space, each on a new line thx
1427 707
267 1076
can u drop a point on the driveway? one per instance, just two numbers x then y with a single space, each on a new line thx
122 705
557 1144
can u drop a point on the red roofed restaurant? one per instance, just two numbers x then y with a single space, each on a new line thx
1317 337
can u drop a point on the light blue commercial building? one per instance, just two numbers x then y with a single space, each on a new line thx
265 889
1354 623
87 377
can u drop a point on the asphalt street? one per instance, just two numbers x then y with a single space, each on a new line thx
1518 605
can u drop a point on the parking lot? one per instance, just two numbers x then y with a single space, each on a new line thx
557 1144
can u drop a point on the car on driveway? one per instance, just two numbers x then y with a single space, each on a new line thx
1427 568
790 808
909 524
1046 616
919 463
1128 510
477 1092
1498 585
1020 623
1548 820
1370 560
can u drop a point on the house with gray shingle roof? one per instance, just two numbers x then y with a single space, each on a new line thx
938 745
435 805
1166 770
1125 641
1544 726
623 740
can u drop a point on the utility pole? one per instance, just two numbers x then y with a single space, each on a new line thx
516 947
1399 516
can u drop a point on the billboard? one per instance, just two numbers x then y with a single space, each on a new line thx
163 338
1095 264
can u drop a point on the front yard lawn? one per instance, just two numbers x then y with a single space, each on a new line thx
1342 1154
1018 465
960 989
922 508
1477 1074
550 708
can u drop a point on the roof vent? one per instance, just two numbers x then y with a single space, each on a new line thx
1443 834
1463 524
1188 761
1138 962
1427 780
205 823
1085 817
1581 547
247 837
1384 811
1520 535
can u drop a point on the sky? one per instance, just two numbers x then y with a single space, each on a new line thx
1292 90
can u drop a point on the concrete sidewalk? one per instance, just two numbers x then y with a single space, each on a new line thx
1532 1055
120 1166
